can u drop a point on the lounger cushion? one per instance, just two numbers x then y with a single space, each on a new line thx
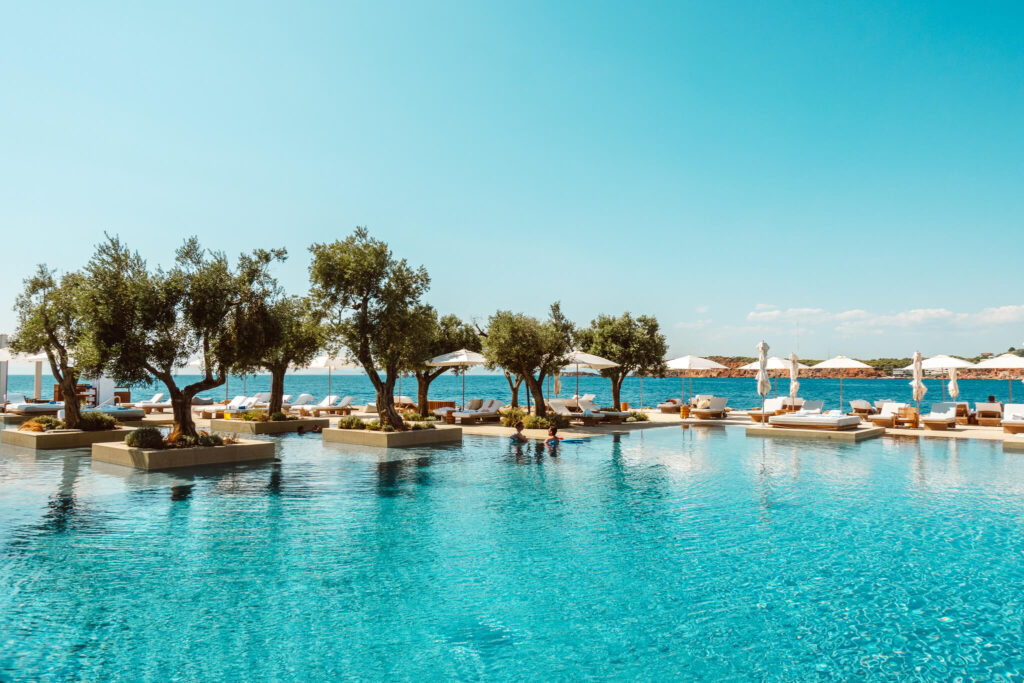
814 420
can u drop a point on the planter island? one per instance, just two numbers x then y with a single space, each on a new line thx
171 458
416 437
253 427
61 438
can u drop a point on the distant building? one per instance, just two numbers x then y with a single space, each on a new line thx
900 372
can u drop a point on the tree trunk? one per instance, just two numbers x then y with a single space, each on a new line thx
276 390
72 409
386 398
617 391
514 387
423 380
181 406
536 387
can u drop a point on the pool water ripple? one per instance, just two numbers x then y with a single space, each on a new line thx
661 554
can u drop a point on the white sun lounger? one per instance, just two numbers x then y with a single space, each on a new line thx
803 420
943 416
1013 418
714 411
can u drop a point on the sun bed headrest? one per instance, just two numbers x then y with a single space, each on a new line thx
944 409
474 404
13 397
988 407
346 402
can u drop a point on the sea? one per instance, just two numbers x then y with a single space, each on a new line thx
647 391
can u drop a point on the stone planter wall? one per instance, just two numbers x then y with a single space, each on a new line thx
171 458
63 438
244 427
421 437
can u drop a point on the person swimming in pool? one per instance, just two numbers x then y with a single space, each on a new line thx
552 439
519 437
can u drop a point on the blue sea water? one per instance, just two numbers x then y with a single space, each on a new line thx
741 392
659 555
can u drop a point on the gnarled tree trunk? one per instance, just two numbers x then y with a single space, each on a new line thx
68 389
181 399
276 389
617 391
514 387
385 397
536 387
423 380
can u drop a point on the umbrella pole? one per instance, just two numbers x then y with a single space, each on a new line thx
1009 383
641 392
577 384
328 381
840 393
463 390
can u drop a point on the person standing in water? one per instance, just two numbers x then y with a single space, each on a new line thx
519 437
552 439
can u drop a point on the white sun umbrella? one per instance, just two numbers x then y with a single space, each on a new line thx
692 363
954 387
942 362
841 363
578 359
794 371
463 358
772 363
334 363
917 384
764 384
1007 361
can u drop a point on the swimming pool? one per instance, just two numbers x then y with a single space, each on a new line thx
664 553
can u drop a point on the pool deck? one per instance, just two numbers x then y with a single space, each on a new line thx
735 418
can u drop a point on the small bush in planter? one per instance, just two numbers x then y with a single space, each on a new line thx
637 416
510 416
208 440
373 426
253 416
279 417
417 426
387 428
43 423
560 421
351 422
534 422
145 437
94 422
413 416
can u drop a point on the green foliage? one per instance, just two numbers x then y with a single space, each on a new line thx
535 422
372 425
49 320
351 422
280 417
95 422
145 324
528 347
422 425
373 304
510 416
387 428
210 440
253 416
636 344
887 365
560 421
145 437
43 423
637 416
413 416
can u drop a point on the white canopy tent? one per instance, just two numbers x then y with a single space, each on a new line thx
1007 361
841 363
8 356
692 363
463 358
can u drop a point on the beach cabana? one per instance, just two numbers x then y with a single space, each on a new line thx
841 363
463 358
685 363
1007 361
8 356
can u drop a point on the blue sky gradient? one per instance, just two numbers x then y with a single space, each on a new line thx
832 177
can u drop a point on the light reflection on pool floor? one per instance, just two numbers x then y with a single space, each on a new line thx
666 553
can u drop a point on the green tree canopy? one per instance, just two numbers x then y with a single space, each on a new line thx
529 348
636 344
441 335
50 322
373 310
293 335
148 324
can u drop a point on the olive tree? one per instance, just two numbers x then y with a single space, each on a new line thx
636 344
49 321
441 335
146 324
373 308
293 336
529 348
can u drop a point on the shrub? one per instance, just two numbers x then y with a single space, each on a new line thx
207 440
94 422
534 422
422 425
43 423
373 425
351 422
185 441
413 416
560 421
637 416
279 417
145 437
387 428
254 416
510 416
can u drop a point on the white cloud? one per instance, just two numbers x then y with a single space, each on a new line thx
862 321
802 315
692 324
764 307
702 309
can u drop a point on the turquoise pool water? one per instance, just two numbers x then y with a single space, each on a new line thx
662 554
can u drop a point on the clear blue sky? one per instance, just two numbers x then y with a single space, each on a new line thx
832 177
